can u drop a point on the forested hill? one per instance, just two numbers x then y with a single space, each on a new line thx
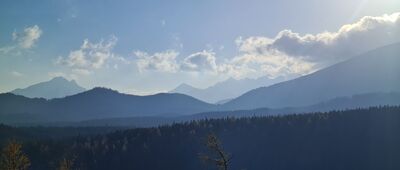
354 139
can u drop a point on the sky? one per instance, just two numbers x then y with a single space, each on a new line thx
149 46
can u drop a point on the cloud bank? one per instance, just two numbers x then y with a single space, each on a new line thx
162 61
329 47
287 54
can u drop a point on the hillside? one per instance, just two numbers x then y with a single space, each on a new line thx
374 71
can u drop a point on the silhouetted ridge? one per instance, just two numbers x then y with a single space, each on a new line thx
98 103
101 91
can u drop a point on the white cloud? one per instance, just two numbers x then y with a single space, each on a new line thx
91 58
162 61
14 35
57 74
255 59
163 23
262 63
329 47
90 55
290 53
252 44
62 74
247 64
7 49
29 37
166 61
78 71
16 74
23 40
200 61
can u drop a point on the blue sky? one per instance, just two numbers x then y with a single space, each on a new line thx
144 47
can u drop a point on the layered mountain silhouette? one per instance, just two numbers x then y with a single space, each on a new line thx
371 79
98 103
226 90
375 71
340 103
55 88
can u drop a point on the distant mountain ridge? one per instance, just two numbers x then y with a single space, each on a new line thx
55 88
375 71
226 90
338 104
98 103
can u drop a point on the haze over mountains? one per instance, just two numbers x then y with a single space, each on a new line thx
55 88
226 90
113 110
341 103
372 78
374 71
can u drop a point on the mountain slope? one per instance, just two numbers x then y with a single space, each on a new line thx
225 90
375 71
54 88
341 103
97 103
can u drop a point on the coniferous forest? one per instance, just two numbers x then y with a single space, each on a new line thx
352 139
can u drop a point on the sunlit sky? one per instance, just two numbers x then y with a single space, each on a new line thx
144 47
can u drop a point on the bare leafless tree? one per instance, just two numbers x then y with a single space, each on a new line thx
12 157
218 156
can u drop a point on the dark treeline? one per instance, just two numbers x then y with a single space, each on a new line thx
42 132
353 139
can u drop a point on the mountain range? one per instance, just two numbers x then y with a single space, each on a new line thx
372 78
55 88
97 103
374 71
338 104
224 91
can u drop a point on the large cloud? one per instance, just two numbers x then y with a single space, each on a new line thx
247 64
162 61
200 61
90 55
288 54
255 63
329 47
